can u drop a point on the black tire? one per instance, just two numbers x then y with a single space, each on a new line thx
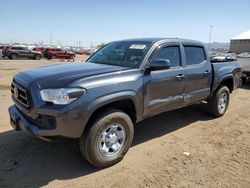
37 57
89 142
13 56
214 107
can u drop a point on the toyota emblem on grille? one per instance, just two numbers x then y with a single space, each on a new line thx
16 92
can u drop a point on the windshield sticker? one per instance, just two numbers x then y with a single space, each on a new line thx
137 46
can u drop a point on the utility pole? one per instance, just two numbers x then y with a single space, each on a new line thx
50 39
210 35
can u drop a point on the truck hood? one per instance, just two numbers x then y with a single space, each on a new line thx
59 75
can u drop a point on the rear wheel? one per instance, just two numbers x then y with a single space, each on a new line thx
107 139
218 104
13 56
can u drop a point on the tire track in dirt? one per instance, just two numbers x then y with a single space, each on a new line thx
4 87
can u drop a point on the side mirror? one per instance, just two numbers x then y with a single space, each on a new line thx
159 64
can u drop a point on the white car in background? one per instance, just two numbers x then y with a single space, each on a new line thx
244 55
221 57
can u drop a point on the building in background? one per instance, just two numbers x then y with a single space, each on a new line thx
240 43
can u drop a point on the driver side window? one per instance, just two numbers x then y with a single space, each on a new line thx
171 53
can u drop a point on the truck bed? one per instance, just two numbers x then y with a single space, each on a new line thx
222 70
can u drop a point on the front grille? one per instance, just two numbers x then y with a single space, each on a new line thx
21 95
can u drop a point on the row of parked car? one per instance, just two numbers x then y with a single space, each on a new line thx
215 56
15 52
75 50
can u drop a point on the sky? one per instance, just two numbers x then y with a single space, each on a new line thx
96 21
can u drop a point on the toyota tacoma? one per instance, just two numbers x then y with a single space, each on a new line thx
124 82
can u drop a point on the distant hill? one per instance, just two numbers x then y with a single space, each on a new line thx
219 45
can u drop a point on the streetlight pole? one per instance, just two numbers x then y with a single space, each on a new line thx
210 34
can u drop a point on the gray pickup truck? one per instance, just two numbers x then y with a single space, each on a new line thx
100 100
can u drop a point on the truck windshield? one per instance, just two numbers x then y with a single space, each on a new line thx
124 53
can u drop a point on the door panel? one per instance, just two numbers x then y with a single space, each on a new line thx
164 88
164 91
198 75
23 52
59 53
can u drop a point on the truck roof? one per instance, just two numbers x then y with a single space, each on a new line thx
156 40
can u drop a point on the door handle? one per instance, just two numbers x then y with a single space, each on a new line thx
206 73
180 76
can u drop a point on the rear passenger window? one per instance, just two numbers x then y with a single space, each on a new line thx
171 53
16 48
194 55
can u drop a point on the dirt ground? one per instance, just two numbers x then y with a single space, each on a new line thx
219 149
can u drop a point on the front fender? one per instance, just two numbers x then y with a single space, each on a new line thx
110 98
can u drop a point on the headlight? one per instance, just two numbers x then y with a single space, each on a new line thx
62 95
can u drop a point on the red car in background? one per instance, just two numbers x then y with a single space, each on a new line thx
37 49
53 53
86 52
83 52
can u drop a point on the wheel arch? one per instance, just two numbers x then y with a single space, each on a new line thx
117 100
126 101
228 82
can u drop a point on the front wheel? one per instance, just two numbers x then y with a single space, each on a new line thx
218 104
107 139
13 56
37 57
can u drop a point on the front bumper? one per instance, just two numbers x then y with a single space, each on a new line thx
65 126
45 120
19 122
